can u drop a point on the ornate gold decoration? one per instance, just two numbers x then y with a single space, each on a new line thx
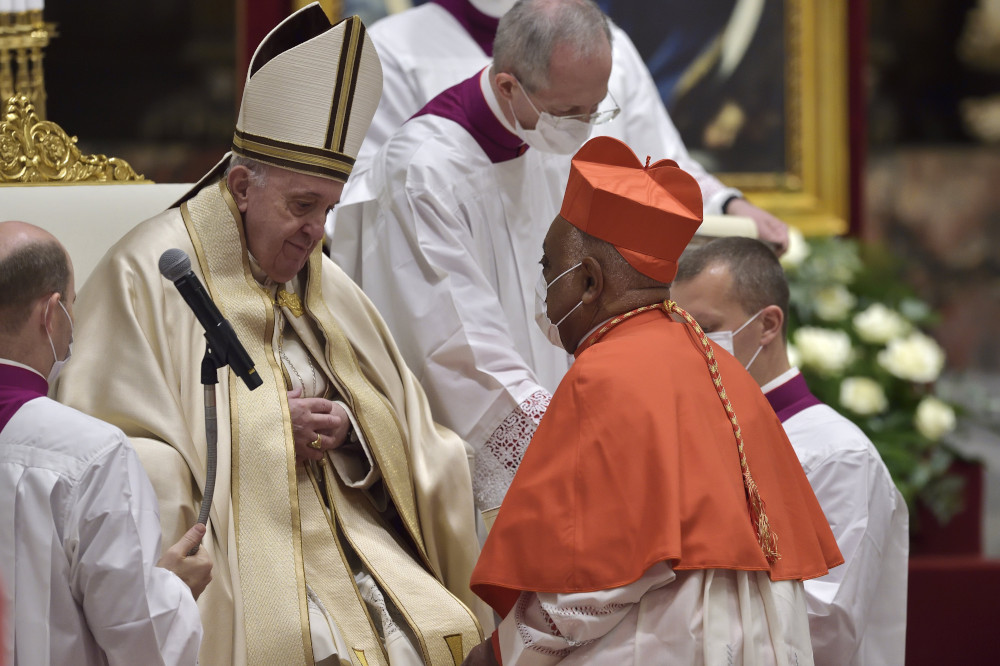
454 642
33 150
287 299
23 35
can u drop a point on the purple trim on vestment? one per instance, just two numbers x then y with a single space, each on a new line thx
464 103
481 27
791 398
18 386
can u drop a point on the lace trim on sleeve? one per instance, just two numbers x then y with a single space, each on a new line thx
547 639
498 459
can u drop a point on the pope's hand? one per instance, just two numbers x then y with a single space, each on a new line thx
319 425
195 570
769 228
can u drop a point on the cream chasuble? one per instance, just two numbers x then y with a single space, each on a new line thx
286 538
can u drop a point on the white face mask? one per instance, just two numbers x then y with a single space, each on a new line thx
550 330
494 8
725 339
57 366
552 134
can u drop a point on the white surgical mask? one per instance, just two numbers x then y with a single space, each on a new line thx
550 330
725 339
57 366
552 134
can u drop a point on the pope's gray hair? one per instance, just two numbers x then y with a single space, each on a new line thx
530 31
258 170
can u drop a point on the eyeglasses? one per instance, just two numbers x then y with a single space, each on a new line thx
598 117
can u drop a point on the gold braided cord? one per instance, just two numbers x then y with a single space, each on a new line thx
599 333
766 538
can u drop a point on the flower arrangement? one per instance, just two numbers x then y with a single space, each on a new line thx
855 331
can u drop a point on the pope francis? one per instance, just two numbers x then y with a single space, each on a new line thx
342 527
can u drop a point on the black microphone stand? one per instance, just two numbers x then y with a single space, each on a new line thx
210 364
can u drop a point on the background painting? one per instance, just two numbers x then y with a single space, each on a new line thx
719 66
757 90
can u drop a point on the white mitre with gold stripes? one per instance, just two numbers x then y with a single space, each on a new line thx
310 95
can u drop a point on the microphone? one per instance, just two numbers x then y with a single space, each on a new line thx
176 266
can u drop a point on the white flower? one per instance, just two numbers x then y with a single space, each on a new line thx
934 418
863 395
798 249
916 358
834 302
826 350
880 324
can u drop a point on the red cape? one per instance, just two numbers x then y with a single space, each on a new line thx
635 462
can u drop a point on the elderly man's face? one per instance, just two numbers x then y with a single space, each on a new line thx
577 85
284 217
708 297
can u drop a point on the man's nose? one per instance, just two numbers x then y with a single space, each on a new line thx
314 229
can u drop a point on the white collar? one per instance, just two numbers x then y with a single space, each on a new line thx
593 330
491 99
7 361
781 379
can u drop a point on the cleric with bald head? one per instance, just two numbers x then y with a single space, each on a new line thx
337 539
79 531
738 292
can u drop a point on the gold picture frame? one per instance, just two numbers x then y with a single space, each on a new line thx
758 91
813 193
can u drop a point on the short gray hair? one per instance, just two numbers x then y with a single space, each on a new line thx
37 269
530 31
258 170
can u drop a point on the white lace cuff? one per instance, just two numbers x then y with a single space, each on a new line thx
499 458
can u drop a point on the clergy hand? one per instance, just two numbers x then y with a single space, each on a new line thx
316 418
769 228
481 655
195 570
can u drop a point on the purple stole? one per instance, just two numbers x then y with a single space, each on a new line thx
18 386
481 27
791 398
464 104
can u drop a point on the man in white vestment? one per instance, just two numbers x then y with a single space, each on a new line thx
442 230
79 529
441 227
343 524
429 48
737 291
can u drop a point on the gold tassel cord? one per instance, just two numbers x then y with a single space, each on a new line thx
766 538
